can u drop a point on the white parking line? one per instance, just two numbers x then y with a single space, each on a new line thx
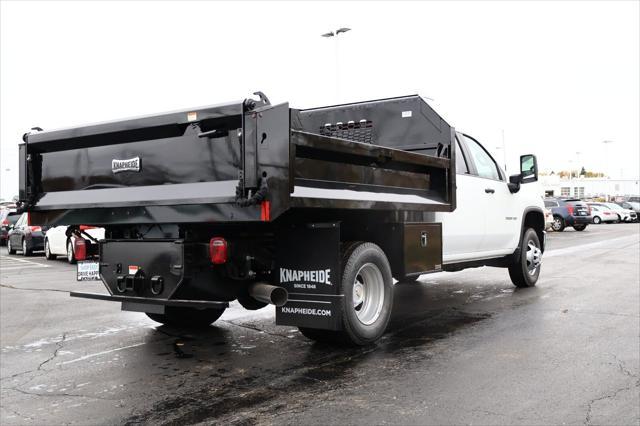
82 358
7 262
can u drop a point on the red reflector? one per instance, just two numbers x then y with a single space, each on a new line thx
85 227
80 248
218 250
265 211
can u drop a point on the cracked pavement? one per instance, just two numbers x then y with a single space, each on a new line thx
462 348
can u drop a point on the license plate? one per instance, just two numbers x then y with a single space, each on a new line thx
88 270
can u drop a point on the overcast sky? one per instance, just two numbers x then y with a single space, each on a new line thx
557 78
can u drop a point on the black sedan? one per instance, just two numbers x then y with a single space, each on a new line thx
8 218
25 237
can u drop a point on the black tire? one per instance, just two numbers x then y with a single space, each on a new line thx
10 248
558 224
187 317
47 251
364 323
522 272
25 251
581 227
71 256
597 220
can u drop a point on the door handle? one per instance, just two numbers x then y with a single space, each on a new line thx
489 190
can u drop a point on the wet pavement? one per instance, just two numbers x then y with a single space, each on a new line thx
462 348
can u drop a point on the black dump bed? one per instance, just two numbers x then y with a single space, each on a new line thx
241 161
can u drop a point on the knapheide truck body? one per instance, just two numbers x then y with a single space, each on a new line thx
311 210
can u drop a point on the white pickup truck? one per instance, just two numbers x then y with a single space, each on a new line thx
496 222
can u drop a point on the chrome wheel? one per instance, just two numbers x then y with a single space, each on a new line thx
9 245
24 248
534 257
69 252
557 224
368 293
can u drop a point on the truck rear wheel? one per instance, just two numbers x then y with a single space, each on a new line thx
187 317
524 272
367 285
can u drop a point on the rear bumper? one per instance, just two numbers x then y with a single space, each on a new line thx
579 220
36 242
202 304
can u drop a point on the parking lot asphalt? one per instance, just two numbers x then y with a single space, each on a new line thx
462 348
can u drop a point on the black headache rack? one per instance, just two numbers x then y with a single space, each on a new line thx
239 162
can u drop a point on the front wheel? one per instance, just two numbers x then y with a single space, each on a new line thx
580 227
597 220
367 285
525 270
10 249
187 317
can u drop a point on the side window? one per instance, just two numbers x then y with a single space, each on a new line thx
487 168
550 204
461 162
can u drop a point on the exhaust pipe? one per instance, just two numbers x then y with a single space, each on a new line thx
266 293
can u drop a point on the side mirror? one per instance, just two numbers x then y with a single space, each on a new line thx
528 168
514 183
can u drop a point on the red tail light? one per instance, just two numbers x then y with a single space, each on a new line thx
218 250
265 211
35 228
85 227
589 210
5 222
80 248
570 209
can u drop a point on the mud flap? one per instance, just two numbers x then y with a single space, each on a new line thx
308 266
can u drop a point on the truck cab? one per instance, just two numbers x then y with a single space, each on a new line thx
491 211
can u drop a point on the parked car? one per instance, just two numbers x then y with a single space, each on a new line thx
56 242
602 214
624 215
25 237
548 219
568 212
632 205
8 218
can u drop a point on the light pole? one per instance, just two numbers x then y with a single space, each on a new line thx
579 166
606 156
335 35
606 159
